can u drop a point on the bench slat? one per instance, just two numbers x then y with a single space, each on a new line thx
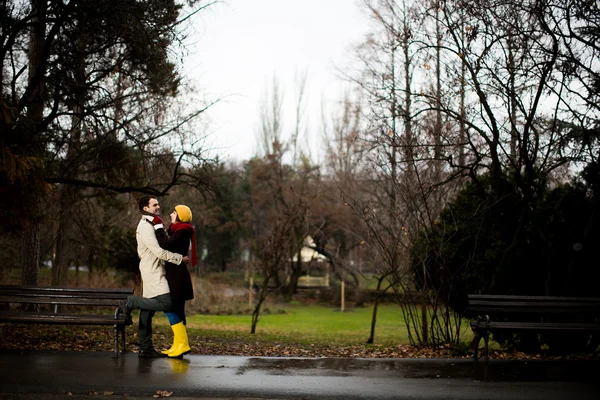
533 310
60 300
70 319
496 304
66 295
492 297
514 303
537 326
64 289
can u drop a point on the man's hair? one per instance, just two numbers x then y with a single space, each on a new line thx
144 201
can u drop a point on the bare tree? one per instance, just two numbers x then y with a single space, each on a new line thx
300 112
35 114
280 199
404 149
391 201
278 223
271 120
507 65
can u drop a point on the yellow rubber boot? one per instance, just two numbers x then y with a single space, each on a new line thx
181 345
170 349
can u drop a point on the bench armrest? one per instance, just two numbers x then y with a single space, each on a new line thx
485 319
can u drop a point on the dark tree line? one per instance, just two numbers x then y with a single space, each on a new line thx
89 93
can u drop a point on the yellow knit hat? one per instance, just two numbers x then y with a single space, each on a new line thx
184 213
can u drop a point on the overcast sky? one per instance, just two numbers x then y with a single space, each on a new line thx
239 45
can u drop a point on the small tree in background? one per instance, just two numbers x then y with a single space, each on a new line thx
277 223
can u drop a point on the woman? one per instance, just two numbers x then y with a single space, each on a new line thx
180 234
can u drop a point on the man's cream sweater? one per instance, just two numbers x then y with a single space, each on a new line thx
152 259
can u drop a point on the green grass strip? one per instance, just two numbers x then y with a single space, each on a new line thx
311 324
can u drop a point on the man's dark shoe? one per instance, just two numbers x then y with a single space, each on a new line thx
151 354
125 310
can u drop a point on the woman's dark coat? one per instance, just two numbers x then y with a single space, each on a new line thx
178 276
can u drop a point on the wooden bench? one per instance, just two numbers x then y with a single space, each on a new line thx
496 313
313 282
104 301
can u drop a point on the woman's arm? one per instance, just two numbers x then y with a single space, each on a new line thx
161 237
177 242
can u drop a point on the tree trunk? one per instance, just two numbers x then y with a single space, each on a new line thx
30 253
371 338
254 321
35 110
424 322
68 193
61 262
462 136
30 245
438 151
256 312
290 288
513 101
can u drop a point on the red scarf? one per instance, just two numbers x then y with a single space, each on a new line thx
179 226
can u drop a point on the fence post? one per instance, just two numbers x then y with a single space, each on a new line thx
250 293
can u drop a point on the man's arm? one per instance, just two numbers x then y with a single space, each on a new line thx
149 239
160 231
165 241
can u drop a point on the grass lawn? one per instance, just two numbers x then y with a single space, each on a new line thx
303 325
311 324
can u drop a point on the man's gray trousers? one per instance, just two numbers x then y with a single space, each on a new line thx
148 307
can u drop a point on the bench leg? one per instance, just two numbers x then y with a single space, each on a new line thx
486 339
475 345
116 355
123 339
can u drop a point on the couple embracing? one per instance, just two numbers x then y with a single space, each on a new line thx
166 281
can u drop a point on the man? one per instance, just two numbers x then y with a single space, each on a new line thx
156 294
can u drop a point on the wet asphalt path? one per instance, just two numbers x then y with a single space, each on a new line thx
52 375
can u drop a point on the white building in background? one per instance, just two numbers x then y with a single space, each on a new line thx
309 256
